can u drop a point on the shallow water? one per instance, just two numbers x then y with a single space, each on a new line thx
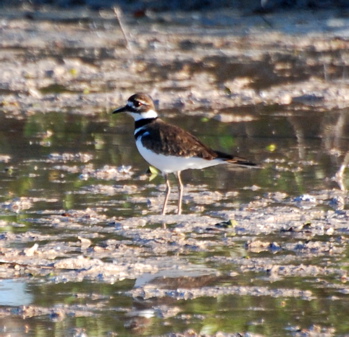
47 155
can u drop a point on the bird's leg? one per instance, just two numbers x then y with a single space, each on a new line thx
168 190
180 192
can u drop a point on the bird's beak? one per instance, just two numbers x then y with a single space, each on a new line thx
123 109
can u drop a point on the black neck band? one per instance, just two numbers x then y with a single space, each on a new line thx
142 122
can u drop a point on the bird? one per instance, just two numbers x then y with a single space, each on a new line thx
170 148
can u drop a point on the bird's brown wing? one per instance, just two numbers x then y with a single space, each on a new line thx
169 139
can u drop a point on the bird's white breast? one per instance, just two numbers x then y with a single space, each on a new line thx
169 164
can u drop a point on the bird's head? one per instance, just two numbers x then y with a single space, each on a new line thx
139 106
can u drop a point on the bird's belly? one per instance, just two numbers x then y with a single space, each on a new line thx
169 164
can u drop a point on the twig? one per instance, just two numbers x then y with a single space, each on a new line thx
118 18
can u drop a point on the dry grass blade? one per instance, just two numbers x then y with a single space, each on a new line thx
117 12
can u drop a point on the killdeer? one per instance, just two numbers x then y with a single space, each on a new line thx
168 147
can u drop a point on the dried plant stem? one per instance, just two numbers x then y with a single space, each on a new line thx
121 25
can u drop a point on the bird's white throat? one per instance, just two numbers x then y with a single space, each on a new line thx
143 115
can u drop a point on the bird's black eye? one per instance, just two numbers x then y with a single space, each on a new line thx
138 104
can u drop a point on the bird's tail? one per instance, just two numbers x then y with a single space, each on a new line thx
235 159
241 161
